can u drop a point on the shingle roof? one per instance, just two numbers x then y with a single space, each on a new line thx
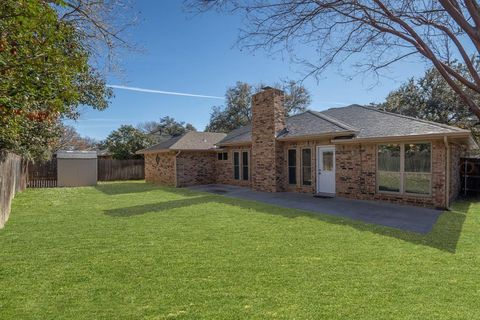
309 123
361 121
312 123
238 136
191 140
374 123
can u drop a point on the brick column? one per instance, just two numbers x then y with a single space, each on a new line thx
268 119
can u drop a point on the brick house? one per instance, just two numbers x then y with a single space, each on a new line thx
354 152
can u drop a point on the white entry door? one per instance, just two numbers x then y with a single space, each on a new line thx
326 170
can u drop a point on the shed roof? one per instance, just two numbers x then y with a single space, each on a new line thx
63 154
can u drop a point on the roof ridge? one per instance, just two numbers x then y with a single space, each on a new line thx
441 125
333 120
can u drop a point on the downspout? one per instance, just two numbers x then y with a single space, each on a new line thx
447 174
175 165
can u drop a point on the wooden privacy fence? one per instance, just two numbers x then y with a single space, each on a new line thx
110 169
42 174
13 179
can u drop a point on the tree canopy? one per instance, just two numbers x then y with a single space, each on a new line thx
237 110
125 141
167 127
46 69
431 98
70 139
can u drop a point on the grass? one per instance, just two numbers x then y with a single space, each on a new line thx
136 251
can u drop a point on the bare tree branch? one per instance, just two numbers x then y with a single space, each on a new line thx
380 32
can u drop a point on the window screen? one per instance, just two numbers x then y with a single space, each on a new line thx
389 167
417 176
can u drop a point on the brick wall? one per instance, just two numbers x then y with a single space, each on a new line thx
160 168
268 119
356 175
194 168
224 168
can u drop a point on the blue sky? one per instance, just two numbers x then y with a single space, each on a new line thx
197 55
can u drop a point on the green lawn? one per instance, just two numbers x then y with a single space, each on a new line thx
136 251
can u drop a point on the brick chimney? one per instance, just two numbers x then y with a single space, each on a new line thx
268 119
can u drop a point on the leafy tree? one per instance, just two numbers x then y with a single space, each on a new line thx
46 69
376 34
431 98
237 111
166 128
125 141
70 139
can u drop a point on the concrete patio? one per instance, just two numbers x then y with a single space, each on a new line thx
408 218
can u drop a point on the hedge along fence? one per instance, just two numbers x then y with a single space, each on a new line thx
13 179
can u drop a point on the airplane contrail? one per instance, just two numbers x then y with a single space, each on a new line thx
163 92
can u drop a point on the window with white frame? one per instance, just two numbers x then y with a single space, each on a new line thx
405 168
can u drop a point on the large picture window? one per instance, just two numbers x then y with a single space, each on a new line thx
388 176
418 171
292 166
405 168
307 167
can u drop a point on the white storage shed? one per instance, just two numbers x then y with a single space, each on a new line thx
76 168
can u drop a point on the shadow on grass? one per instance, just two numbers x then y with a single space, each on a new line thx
114 188
444 235
157 207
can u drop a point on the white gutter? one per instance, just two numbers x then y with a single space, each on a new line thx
318 136
458 134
